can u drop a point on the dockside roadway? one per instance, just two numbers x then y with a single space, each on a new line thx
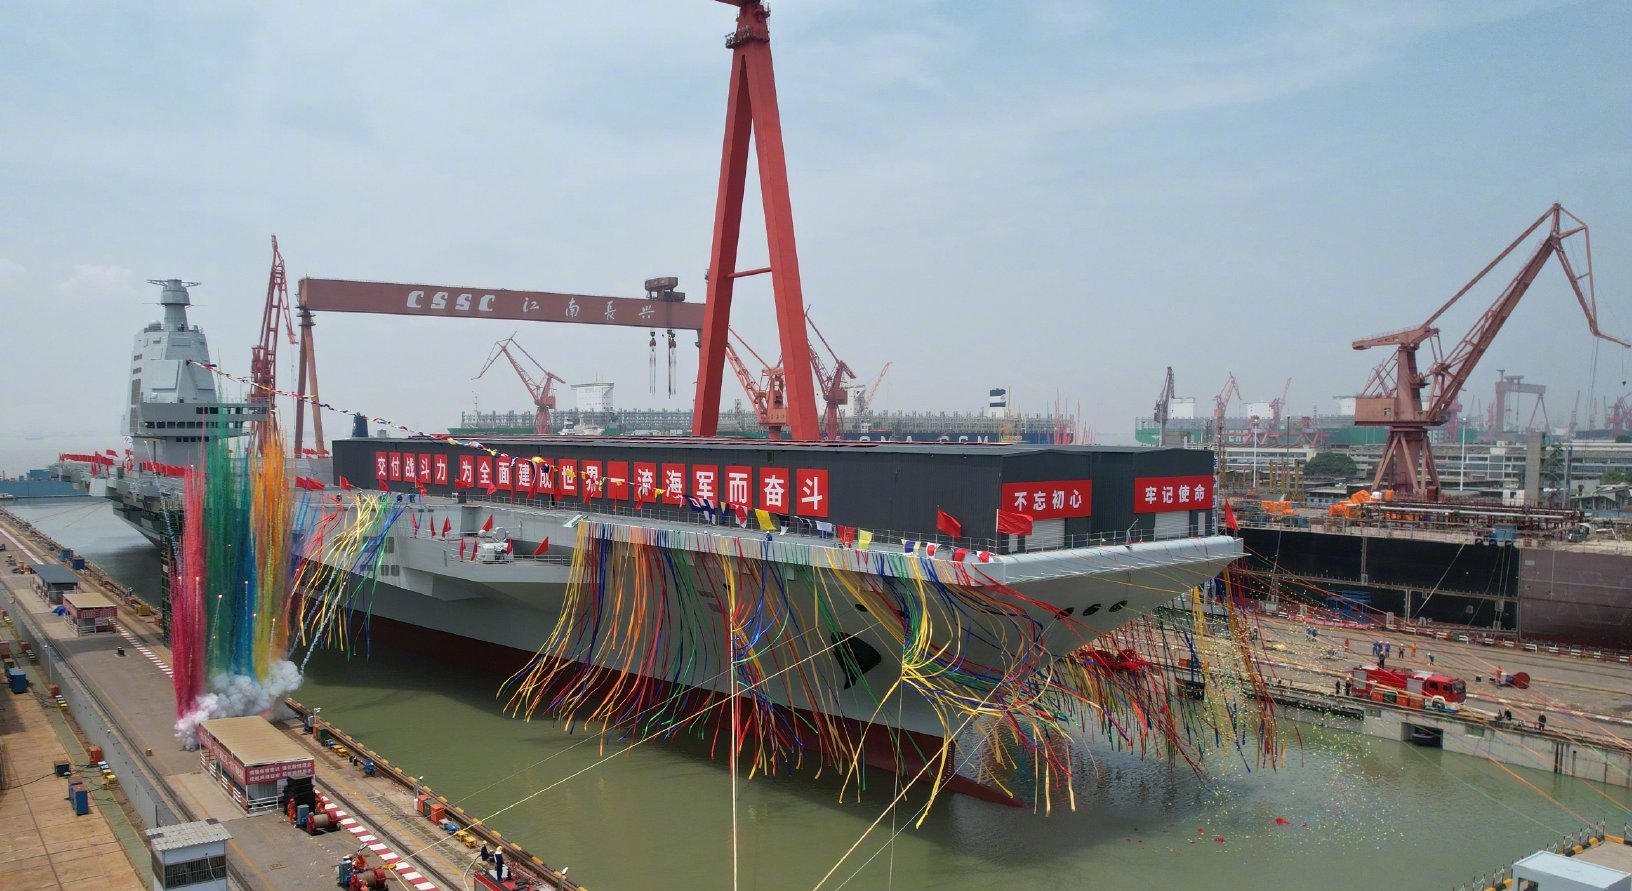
118 690
1587 702
44 842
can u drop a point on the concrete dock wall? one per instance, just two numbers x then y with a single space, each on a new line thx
1505 743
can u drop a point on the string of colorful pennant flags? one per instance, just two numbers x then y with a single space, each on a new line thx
767 522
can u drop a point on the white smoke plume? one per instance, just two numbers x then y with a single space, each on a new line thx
235 695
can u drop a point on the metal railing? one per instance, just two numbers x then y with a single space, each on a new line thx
522 863
1566 846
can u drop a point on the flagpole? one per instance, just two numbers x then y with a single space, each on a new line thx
731 656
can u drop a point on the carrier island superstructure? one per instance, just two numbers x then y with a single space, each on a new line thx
174 410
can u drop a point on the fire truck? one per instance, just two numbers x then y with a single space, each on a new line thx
1415 689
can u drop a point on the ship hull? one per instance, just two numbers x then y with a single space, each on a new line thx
669 643
917 755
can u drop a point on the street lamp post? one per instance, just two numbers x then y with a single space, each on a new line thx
1462 472
1255 454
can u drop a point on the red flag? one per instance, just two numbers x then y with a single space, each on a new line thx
958 554
742 515
984 556
847 535
1229 518
421 488
1013 522
488 526
446 525
509 546
542 547
415 519
461 547
948 524
345 485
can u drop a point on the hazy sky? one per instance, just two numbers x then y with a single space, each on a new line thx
1060 197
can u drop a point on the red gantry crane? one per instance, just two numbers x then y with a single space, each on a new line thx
1618 416
542 389
1277 408
263 358
1393 397
770 399
834 392
751 113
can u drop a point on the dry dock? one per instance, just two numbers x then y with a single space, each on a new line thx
118 690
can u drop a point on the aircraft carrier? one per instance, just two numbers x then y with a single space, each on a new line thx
480 572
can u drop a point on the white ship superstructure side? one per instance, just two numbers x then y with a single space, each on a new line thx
174 411
174 408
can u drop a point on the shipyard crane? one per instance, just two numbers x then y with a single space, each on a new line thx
1618 416
770 399
864 396
1221 402
263 359
835 394
1393 396
541 389
1163 401
1310 436
1276 407
1512 385
752 116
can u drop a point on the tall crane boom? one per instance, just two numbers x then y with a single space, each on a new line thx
770 400
1393 396
835 394
263 359
1277 407
541 390
1221 404
1163 405
864 398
